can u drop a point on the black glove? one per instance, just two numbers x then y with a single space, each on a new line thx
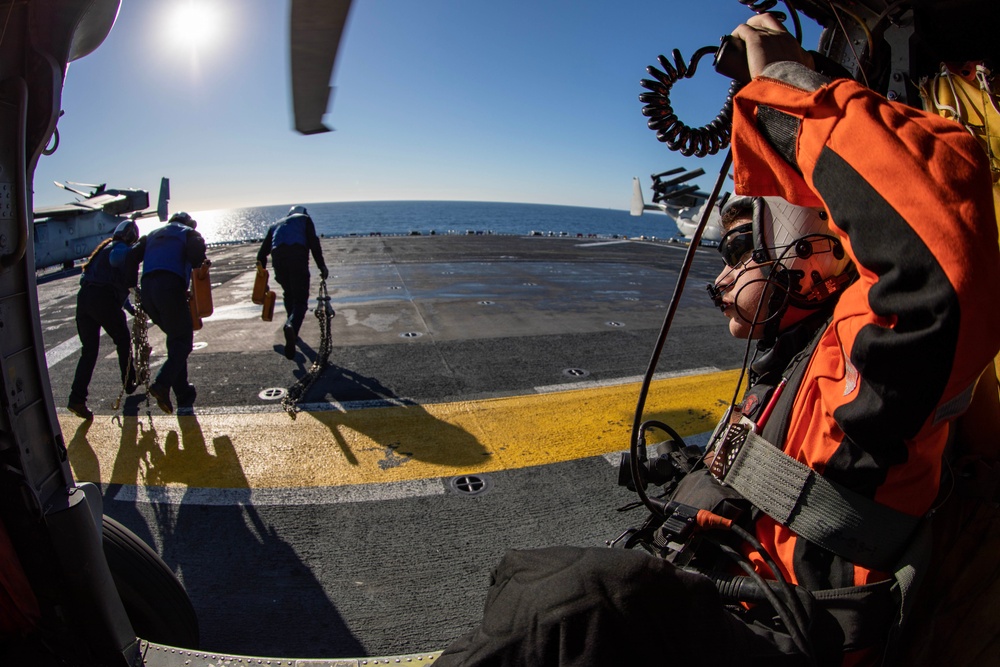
324 273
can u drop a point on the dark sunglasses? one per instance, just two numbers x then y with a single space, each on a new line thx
735 245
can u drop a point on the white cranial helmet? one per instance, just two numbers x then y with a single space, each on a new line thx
799 241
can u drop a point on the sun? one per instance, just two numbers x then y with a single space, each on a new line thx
196 24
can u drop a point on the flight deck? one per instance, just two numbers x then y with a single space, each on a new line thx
478 394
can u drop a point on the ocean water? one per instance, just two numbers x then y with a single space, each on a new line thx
438 217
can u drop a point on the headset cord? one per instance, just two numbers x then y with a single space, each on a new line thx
664 330
678 136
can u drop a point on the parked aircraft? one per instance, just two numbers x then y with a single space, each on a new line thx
66 233
684 204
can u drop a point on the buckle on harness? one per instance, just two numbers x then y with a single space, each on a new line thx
728 450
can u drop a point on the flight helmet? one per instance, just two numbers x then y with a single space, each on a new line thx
799 240
806 259
127 231
297 210
184 219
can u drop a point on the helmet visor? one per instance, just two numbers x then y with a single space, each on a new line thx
736 244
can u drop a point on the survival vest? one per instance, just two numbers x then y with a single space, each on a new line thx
751 478
103 269
166 250
99 270
290 231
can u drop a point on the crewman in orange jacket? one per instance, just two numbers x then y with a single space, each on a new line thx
862 257
908 196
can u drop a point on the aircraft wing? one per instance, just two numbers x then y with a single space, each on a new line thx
315 30
64 211
104 201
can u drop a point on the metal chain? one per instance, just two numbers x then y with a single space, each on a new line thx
139 352
324 313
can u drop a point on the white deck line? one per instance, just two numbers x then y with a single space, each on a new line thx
62 350
614 382
320 495
275 406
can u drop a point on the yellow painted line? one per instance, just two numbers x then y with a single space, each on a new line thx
390 444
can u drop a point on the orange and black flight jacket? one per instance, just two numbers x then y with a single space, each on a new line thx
908 194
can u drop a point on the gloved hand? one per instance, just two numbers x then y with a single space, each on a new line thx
324 273
129 308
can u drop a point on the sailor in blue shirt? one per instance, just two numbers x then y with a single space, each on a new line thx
108 274
169 254
290 240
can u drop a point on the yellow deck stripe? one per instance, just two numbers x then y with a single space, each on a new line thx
390 444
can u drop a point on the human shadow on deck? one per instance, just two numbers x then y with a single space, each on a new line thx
243 578
402 428
85 464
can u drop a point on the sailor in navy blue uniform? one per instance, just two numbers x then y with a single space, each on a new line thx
108 274
290 240
169 254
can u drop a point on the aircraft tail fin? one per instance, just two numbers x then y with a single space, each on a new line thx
161 204
637 203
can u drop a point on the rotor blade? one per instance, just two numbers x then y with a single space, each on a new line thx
315 29
680 192
64 186
680 179
668 172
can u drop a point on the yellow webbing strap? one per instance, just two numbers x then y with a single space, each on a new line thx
967 94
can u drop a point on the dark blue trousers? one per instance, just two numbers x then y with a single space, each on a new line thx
165 300
291 270
98 307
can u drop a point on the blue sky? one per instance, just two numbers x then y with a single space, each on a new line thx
518 101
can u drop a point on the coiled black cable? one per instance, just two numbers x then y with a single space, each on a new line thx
701 141
677 135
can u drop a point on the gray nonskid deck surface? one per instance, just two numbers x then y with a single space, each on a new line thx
496 316
433 319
